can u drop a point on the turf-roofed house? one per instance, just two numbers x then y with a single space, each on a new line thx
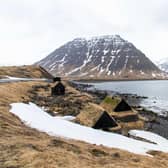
125 116
96 117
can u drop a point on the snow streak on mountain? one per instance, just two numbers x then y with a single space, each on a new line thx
104 57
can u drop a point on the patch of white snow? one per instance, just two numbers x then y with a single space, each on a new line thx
36 118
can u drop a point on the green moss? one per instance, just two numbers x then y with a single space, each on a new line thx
112 101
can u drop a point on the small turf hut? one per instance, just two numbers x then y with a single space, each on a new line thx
127 117
105 121
122 106
96 117
58 89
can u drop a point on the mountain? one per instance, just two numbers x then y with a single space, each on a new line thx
163 64
104 57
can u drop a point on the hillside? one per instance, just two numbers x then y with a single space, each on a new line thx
104 57
22 146
26 71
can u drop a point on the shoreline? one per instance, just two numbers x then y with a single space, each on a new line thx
156 123
115 80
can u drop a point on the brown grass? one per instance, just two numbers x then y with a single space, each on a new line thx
24 147
89 114
24 71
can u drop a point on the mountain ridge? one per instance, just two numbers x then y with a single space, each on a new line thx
106 57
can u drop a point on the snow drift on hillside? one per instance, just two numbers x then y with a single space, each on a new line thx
68 118
25 79
150 137
16 79
35 117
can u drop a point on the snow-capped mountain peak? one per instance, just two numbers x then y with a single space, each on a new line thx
107 56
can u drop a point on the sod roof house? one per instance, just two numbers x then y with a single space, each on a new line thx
58 89
96 117
122 106
105 121
122 112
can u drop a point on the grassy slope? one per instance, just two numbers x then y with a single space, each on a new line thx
23 71
24 147
21 146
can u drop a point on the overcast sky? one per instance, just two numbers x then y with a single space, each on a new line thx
31 29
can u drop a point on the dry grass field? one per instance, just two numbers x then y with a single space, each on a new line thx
26 71
24 147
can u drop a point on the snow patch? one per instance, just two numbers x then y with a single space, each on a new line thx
109 73
105 52
153 75
95 68
126 61
61 62
119 72
68 118
108 66
102 60
89 57
83 74
113 52
15 79
150 137
142 73
36 118
118 51
101 70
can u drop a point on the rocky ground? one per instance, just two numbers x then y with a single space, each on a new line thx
156 124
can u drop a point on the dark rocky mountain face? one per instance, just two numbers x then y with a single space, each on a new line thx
104 57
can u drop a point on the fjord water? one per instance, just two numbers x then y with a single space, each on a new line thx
155 90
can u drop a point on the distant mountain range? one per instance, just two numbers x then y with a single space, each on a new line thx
104 57
163 64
